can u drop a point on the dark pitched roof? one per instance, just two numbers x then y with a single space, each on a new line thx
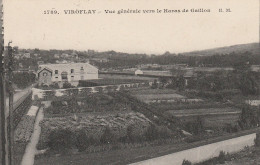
49 70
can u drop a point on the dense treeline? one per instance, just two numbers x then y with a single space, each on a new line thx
124 60
23 79
217 60
242 78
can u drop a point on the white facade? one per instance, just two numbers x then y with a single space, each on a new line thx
253 102
138 72
72 72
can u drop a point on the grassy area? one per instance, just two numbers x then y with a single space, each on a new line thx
208 111
211 117
149 95
121 156
181 105
159 96
153 91
98 102
106 81
114 76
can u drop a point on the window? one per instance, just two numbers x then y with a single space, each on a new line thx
64 76
56 71
56 77
82 69
72 71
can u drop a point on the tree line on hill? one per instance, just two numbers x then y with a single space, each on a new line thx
241 78
126 60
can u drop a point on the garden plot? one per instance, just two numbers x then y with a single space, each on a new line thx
92 103
208 111
94 125
158 95
212 117
24 129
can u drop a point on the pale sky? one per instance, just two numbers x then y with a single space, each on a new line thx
27 26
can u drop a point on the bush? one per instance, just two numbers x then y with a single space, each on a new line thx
151 133
164 132
130 137
222 157
67 85
24 79
107 137
195 127
82 141
54 85
257 140
60 140
186 162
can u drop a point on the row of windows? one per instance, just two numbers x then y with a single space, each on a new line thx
71 71
72 77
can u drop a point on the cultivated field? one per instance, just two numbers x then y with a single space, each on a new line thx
114 76
157 95
94 125
208 111
212 117
170 103
109 81
99 114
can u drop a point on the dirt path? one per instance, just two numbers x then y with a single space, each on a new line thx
30 151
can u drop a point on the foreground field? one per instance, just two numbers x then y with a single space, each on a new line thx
116 157
94 125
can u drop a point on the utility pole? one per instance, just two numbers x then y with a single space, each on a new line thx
11 97
3 148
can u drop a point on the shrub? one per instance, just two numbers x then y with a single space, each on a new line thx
151 133
130 136
67 85
257 140
82 142
99 89
72 92
23 79
195 127
55 85
60 140
107 136
164 132
222 157
186 162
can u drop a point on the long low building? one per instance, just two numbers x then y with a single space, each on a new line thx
70 72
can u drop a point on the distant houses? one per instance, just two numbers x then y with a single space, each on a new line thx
26 55
253 102
70 72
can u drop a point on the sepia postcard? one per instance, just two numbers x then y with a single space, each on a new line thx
140 82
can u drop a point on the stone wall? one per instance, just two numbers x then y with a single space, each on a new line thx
203 152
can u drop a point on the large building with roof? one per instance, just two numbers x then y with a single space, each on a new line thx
70 72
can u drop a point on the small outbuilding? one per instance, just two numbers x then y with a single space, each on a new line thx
138 72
